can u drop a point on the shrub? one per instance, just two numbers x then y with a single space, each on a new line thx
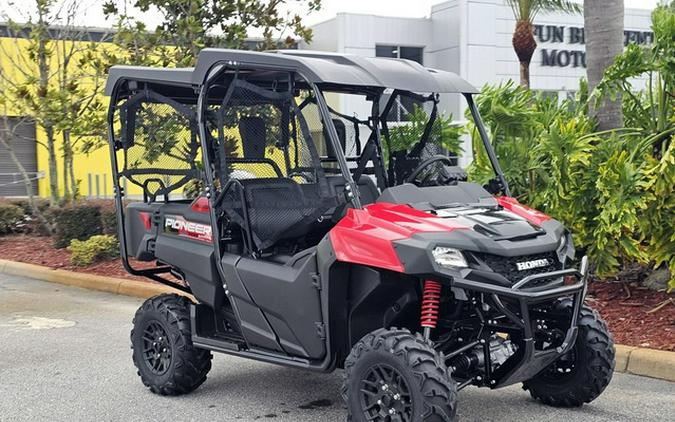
108 217
41 204
613 189
109 222
77 221
11 219
85 252
32 224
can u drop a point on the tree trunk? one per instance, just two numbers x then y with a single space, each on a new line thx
525 74
66 160
53 170
603 23
43 92
71 171
524 45
68 166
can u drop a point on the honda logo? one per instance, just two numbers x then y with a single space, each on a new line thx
528 265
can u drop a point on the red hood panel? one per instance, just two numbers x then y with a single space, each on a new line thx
531 215
365 236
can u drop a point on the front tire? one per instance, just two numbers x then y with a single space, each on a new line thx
167 362
393 375
582 374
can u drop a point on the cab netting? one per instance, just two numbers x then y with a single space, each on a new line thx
157 144
273 183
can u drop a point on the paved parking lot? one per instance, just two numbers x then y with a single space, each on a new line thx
64 355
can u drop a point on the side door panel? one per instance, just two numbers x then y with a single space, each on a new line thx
290 300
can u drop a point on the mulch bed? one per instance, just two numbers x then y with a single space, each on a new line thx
636 315
632 311
40 250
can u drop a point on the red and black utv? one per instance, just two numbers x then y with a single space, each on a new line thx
309 237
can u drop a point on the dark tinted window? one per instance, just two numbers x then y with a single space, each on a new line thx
412 53
386 51
415 54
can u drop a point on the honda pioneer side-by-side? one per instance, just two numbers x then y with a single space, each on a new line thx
319 238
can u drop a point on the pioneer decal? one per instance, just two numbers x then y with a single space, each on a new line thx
178 225
528 265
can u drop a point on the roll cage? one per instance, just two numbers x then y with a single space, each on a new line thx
230 78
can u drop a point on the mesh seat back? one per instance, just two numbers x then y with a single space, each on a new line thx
254 136
279 208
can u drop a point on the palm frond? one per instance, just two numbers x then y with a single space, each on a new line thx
517 7
565 6
527 9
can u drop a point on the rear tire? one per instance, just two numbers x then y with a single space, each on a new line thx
161 340
593 366
393 375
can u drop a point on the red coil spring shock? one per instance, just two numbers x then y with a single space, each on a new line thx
431 298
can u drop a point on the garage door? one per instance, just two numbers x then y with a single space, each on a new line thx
24 146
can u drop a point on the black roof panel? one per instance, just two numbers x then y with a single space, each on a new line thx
317 67
169 76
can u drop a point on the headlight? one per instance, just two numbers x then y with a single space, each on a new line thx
563 242
564 247
449 257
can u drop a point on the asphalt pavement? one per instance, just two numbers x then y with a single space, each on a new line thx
65 356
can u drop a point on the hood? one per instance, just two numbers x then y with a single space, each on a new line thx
372 235
492 222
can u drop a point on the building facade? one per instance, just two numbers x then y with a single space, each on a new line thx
473 39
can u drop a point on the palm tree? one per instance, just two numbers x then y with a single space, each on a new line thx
603 20
523 36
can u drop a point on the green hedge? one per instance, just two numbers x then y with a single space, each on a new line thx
109 220
11 219
77 221
41 204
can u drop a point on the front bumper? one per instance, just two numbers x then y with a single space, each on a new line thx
527 361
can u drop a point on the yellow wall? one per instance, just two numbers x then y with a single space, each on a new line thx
13 52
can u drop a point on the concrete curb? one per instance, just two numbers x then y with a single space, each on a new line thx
633 360
120 286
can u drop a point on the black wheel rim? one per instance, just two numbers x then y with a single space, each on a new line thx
385 395
156 348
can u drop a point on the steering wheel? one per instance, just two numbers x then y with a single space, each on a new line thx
423 166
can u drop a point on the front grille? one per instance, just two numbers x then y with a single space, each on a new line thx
507 266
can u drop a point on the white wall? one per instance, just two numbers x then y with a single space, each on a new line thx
324 37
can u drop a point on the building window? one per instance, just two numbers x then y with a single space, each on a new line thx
404 105
415 54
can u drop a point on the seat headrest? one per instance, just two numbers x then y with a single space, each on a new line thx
342 137
253 136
